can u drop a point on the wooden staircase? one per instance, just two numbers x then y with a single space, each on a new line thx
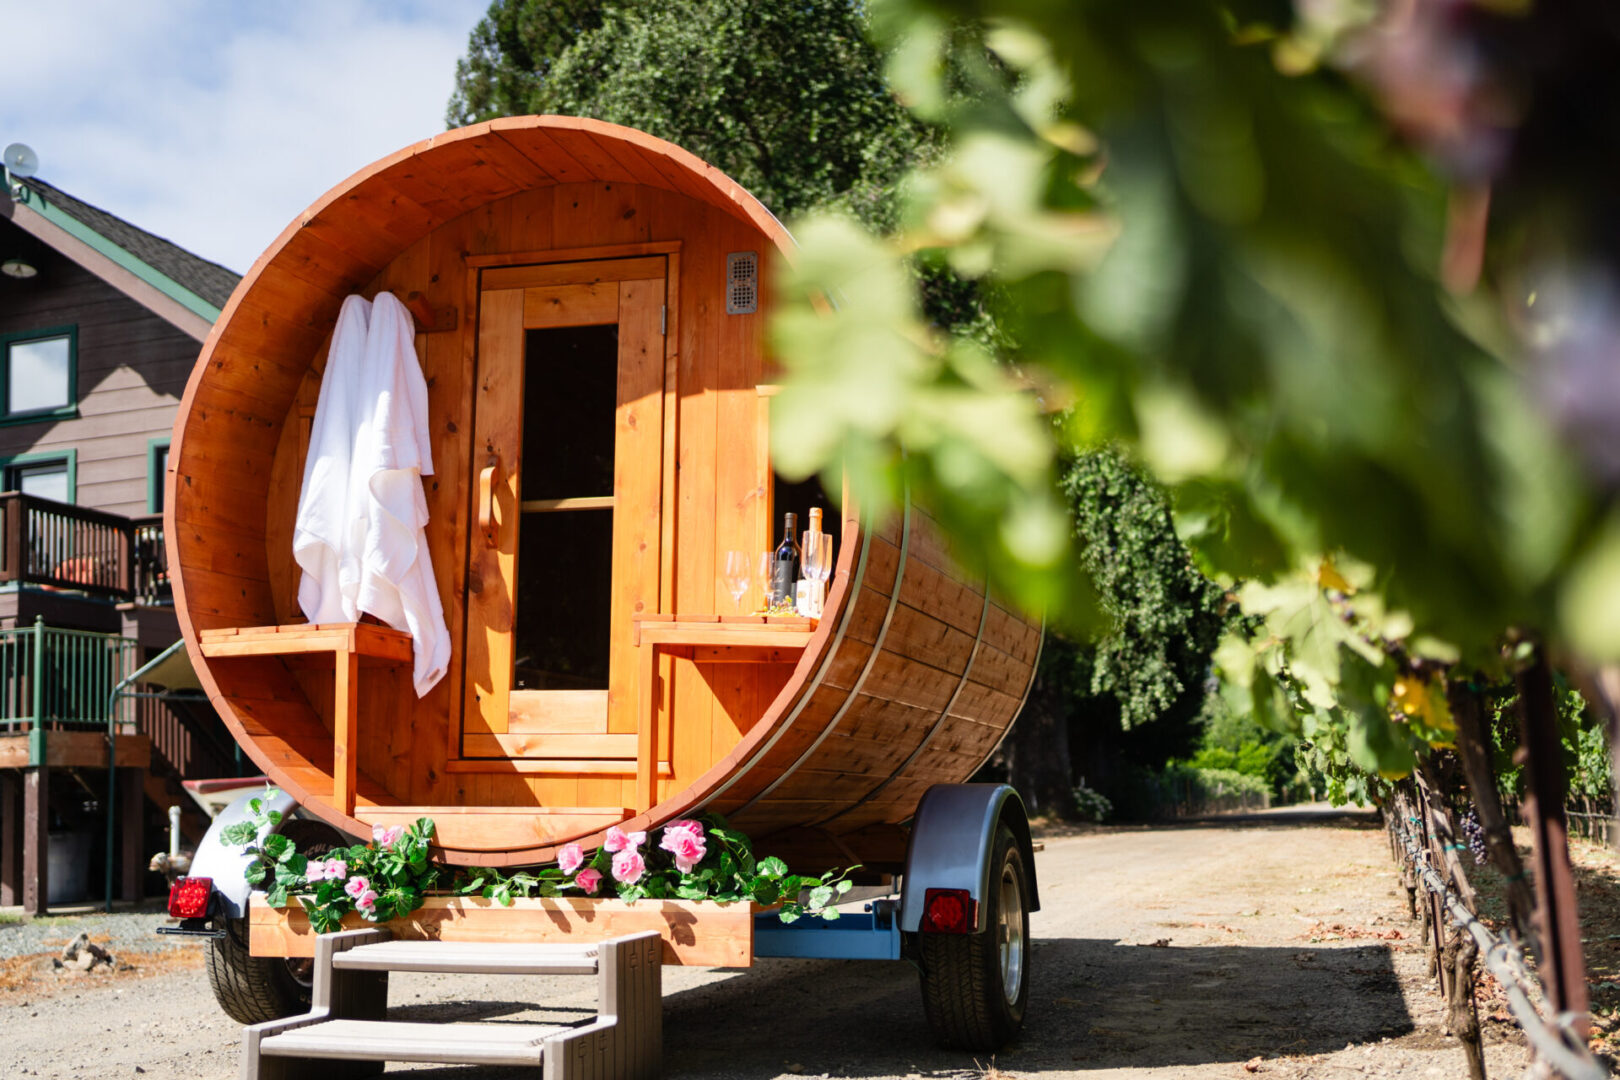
346 1033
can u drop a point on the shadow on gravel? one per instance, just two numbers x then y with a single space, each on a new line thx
1094 1004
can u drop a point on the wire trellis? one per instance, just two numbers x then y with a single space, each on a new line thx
1555 1038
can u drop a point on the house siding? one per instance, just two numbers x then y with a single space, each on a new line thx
132 368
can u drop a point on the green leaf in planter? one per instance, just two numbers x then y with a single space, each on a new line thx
472 886
286 876
254 874
843 886
278 847
255 805
773 867
820 897
298 864
274 818
277 897
787 915
830 914
241 833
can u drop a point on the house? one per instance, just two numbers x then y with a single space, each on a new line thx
100 324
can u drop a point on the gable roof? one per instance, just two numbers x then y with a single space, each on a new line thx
208 280
185 288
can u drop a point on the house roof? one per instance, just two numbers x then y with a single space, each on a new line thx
208 280
183 288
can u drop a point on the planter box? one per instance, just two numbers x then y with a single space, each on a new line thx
696 933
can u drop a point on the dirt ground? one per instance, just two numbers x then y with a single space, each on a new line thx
1276 946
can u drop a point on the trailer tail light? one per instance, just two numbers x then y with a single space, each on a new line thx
949 911
189 896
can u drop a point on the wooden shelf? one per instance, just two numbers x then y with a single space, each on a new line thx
349 644
709 639
363 639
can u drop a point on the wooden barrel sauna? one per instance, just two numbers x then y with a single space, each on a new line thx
590 305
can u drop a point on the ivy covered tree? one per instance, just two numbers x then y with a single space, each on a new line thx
1131 697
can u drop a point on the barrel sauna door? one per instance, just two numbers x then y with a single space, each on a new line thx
564 548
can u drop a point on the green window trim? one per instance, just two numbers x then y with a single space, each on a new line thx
34 416
69 456
154 473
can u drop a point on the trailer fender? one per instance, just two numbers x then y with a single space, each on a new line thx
953 836
227 863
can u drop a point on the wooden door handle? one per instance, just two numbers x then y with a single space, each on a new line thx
487 478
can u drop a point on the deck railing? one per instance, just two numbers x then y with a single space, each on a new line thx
58 546
53 678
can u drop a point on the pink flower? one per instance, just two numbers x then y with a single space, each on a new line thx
684 840
618 840
628 866
570 858
330 870
386 838
357 887
589 879
366 901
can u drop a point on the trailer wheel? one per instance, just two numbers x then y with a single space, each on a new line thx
253 989
975 986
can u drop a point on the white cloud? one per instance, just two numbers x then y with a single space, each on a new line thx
215 124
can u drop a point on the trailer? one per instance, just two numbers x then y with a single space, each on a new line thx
590 306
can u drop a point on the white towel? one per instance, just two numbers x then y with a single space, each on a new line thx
329 531
359 534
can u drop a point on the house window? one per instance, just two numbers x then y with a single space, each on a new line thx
47 480
48 476
39 373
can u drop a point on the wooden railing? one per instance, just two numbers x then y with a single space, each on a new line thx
52 544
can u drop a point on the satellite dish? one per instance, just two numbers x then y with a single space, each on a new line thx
21 160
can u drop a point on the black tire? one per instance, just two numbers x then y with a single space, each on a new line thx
975 987
253 989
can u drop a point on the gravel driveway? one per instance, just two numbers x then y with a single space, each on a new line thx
1164 952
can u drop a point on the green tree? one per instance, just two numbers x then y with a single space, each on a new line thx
788 99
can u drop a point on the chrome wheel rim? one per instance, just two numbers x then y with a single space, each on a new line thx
1010 934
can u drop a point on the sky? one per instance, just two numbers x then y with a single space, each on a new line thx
214 123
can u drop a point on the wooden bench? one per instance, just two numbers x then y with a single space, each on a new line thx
707 639
349 644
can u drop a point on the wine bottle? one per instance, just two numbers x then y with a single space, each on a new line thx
785 565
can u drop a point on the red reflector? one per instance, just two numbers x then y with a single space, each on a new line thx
188 897
949 911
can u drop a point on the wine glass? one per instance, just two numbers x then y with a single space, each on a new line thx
766 570
738 575
818 548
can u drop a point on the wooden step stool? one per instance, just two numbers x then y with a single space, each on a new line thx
347 1033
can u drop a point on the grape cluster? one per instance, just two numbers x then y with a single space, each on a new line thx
1474 832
